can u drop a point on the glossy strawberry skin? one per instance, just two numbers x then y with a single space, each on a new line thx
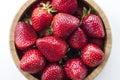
93 26
32 61
64 24
65 6
75 69
41 18
78 39
92 55
53 72
52 48
24 35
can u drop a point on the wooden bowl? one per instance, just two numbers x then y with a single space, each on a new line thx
107 48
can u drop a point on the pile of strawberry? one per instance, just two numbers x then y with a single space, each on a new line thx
59 42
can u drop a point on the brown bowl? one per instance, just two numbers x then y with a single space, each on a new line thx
107 47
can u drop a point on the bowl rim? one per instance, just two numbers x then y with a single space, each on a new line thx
108 42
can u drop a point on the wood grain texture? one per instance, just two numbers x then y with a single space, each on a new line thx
12 45
108 41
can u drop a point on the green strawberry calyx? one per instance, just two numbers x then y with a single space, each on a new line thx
48 7
86 12
45 32
28 20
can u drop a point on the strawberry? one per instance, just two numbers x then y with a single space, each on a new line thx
65 6
78 39
92 55
75 69
42 17
52 48
97 41
53 72
24 35
32 61
93 26
64 24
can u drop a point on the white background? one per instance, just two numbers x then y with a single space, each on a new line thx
9 8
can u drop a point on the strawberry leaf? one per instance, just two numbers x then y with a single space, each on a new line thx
48 7
86 12
45 32
27 20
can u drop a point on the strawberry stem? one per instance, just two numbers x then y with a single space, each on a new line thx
48 30
86 12
48 7
28 20
89 11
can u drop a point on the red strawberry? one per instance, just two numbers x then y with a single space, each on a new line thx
32 61
65 6
97 41
75 69
64 24
92 55
24 35
78 39
93 26
52 48
53 72
42 17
